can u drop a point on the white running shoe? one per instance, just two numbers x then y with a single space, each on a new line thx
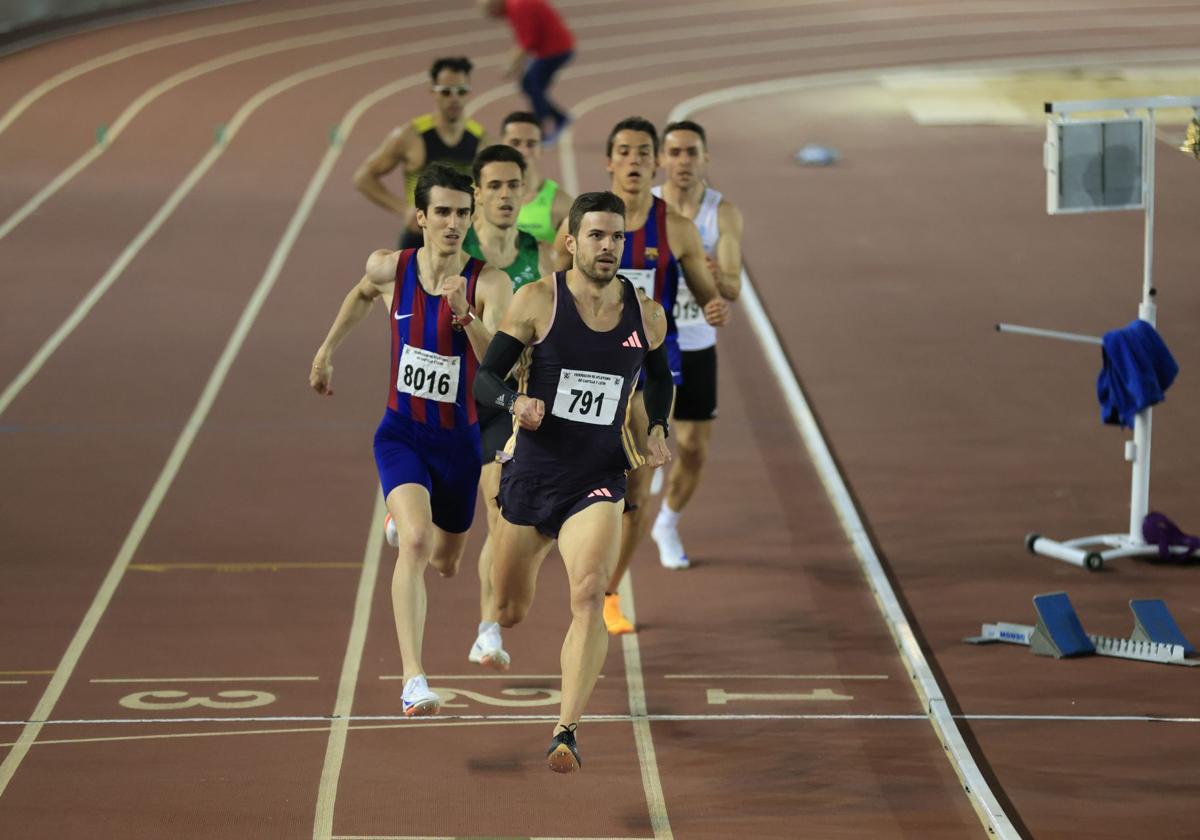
488 650
670 547
389 531
417 699
657 481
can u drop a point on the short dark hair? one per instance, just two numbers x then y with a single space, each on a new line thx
496 154
593 202
521 117
457 63
632 124
686 125
440 175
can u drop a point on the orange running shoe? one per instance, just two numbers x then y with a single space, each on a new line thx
614 619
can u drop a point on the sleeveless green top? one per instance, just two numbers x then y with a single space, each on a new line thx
524 268
535 218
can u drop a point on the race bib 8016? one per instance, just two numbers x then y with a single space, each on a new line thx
587 397
428 375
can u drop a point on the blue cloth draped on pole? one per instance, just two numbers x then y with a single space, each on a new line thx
1138 369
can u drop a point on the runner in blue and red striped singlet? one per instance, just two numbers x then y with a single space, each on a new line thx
659 243
443 309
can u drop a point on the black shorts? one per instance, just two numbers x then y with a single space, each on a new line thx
495 428
696 397
527 500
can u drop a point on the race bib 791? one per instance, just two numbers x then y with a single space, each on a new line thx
587 397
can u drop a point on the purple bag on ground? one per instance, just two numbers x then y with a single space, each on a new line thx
1158 530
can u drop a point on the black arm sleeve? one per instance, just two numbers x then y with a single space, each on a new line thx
660 387
503 352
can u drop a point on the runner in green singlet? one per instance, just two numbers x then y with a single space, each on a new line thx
544 205
499 181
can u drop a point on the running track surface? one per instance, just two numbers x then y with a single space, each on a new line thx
192 581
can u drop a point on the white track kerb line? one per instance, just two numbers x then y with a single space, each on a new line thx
982 798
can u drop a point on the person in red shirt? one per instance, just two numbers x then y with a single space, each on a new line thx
544 45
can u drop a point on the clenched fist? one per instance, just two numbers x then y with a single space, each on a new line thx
657 452
716 312
529 412
454 290
320 376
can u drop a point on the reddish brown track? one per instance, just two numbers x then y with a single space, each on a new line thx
883 277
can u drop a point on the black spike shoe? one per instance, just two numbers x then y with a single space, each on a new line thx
563 755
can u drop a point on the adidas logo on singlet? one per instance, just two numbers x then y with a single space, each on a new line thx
632 341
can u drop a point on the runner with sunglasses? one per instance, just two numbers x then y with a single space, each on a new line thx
443 136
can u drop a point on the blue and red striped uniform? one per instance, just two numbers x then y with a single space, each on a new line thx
425 322
427 441
648 262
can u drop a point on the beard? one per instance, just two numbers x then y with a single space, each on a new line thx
597 274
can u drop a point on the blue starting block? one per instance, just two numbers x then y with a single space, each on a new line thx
1153 622
1059 633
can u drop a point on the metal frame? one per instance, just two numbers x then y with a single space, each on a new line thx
1092 552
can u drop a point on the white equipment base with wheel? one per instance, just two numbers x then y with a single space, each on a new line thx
1092 552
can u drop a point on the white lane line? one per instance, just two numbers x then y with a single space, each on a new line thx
775 676
647 760
84 307
402 721
247 109
540 720
429 837
886 40
14 682
433 677
924 682
138 14
407 24
195 71
208 396
174 39
203 679
335 748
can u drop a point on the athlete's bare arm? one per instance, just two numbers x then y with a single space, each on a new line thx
654 320
687 247
562 257
403 149
377 282
561 208
493 291
529 314
729 250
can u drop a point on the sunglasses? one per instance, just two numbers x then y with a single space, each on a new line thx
452 90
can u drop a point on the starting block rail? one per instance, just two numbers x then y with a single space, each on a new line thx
1059 633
